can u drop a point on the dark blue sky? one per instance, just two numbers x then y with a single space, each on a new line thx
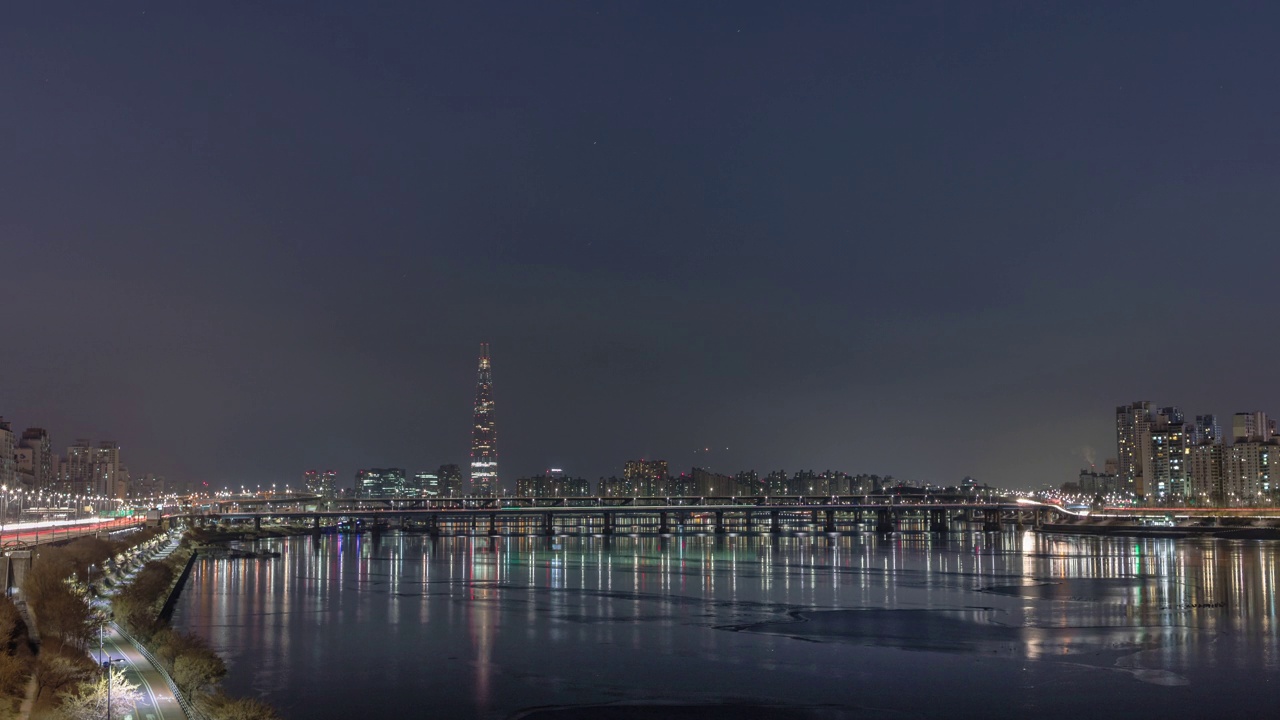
928 240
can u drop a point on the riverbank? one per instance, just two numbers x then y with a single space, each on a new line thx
1159 531
186 662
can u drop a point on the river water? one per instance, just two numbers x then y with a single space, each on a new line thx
807 627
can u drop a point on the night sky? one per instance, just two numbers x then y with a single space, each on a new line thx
927 240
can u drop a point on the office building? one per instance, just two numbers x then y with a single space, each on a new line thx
450 480
426 484
380 483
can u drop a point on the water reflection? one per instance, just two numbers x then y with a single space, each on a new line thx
486 627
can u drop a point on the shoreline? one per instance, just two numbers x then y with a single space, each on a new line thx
1174 532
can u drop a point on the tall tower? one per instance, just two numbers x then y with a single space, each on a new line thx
484 438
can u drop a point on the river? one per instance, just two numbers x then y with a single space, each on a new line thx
810 627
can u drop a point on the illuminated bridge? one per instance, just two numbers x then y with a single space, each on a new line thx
604 516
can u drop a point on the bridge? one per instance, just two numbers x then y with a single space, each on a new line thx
605 516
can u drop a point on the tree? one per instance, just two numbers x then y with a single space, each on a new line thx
198 672
89 700
225 708
66 613
55 672
11 626
13 675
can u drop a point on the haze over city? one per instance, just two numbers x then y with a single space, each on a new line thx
922 240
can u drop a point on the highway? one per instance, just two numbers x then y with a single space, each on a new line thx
56 531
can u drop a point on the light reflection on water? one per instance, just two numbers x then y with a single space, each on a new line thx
913 625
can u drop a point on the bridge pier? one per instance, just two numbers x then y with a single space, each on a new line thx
938 522
493 524
608 524
992 522
257 523
719 522
433 526
548 524
885 522
774 526
663 527
830 525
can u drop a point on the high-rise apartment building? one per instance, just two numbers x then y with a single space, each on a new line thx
321 482
553 483
1206 470
8 467
484 438
1205 430
106 468
1251 472
37 441
644 477
1251 426
707 483
146 486
78 473
1133 444
1165 468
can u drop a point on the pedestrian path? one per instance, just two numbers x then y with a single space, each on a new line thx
159 697
158 700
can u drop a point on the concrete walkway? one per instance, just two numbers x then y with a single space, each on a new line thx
158 700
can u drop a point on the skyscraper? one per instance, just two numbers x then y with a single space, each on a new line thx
484 452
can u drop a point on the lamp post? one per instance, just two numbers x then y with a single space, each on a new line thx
106 667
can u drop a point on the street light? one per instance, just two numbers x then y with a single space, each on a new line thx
106 667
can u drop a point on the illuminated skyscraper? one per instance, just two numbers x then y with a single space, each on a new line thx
484 451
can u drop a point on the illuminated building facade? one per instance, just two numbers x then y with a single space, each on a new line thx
380 483
484 452
553 484
322 483
643 477
1132 444
1206 471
